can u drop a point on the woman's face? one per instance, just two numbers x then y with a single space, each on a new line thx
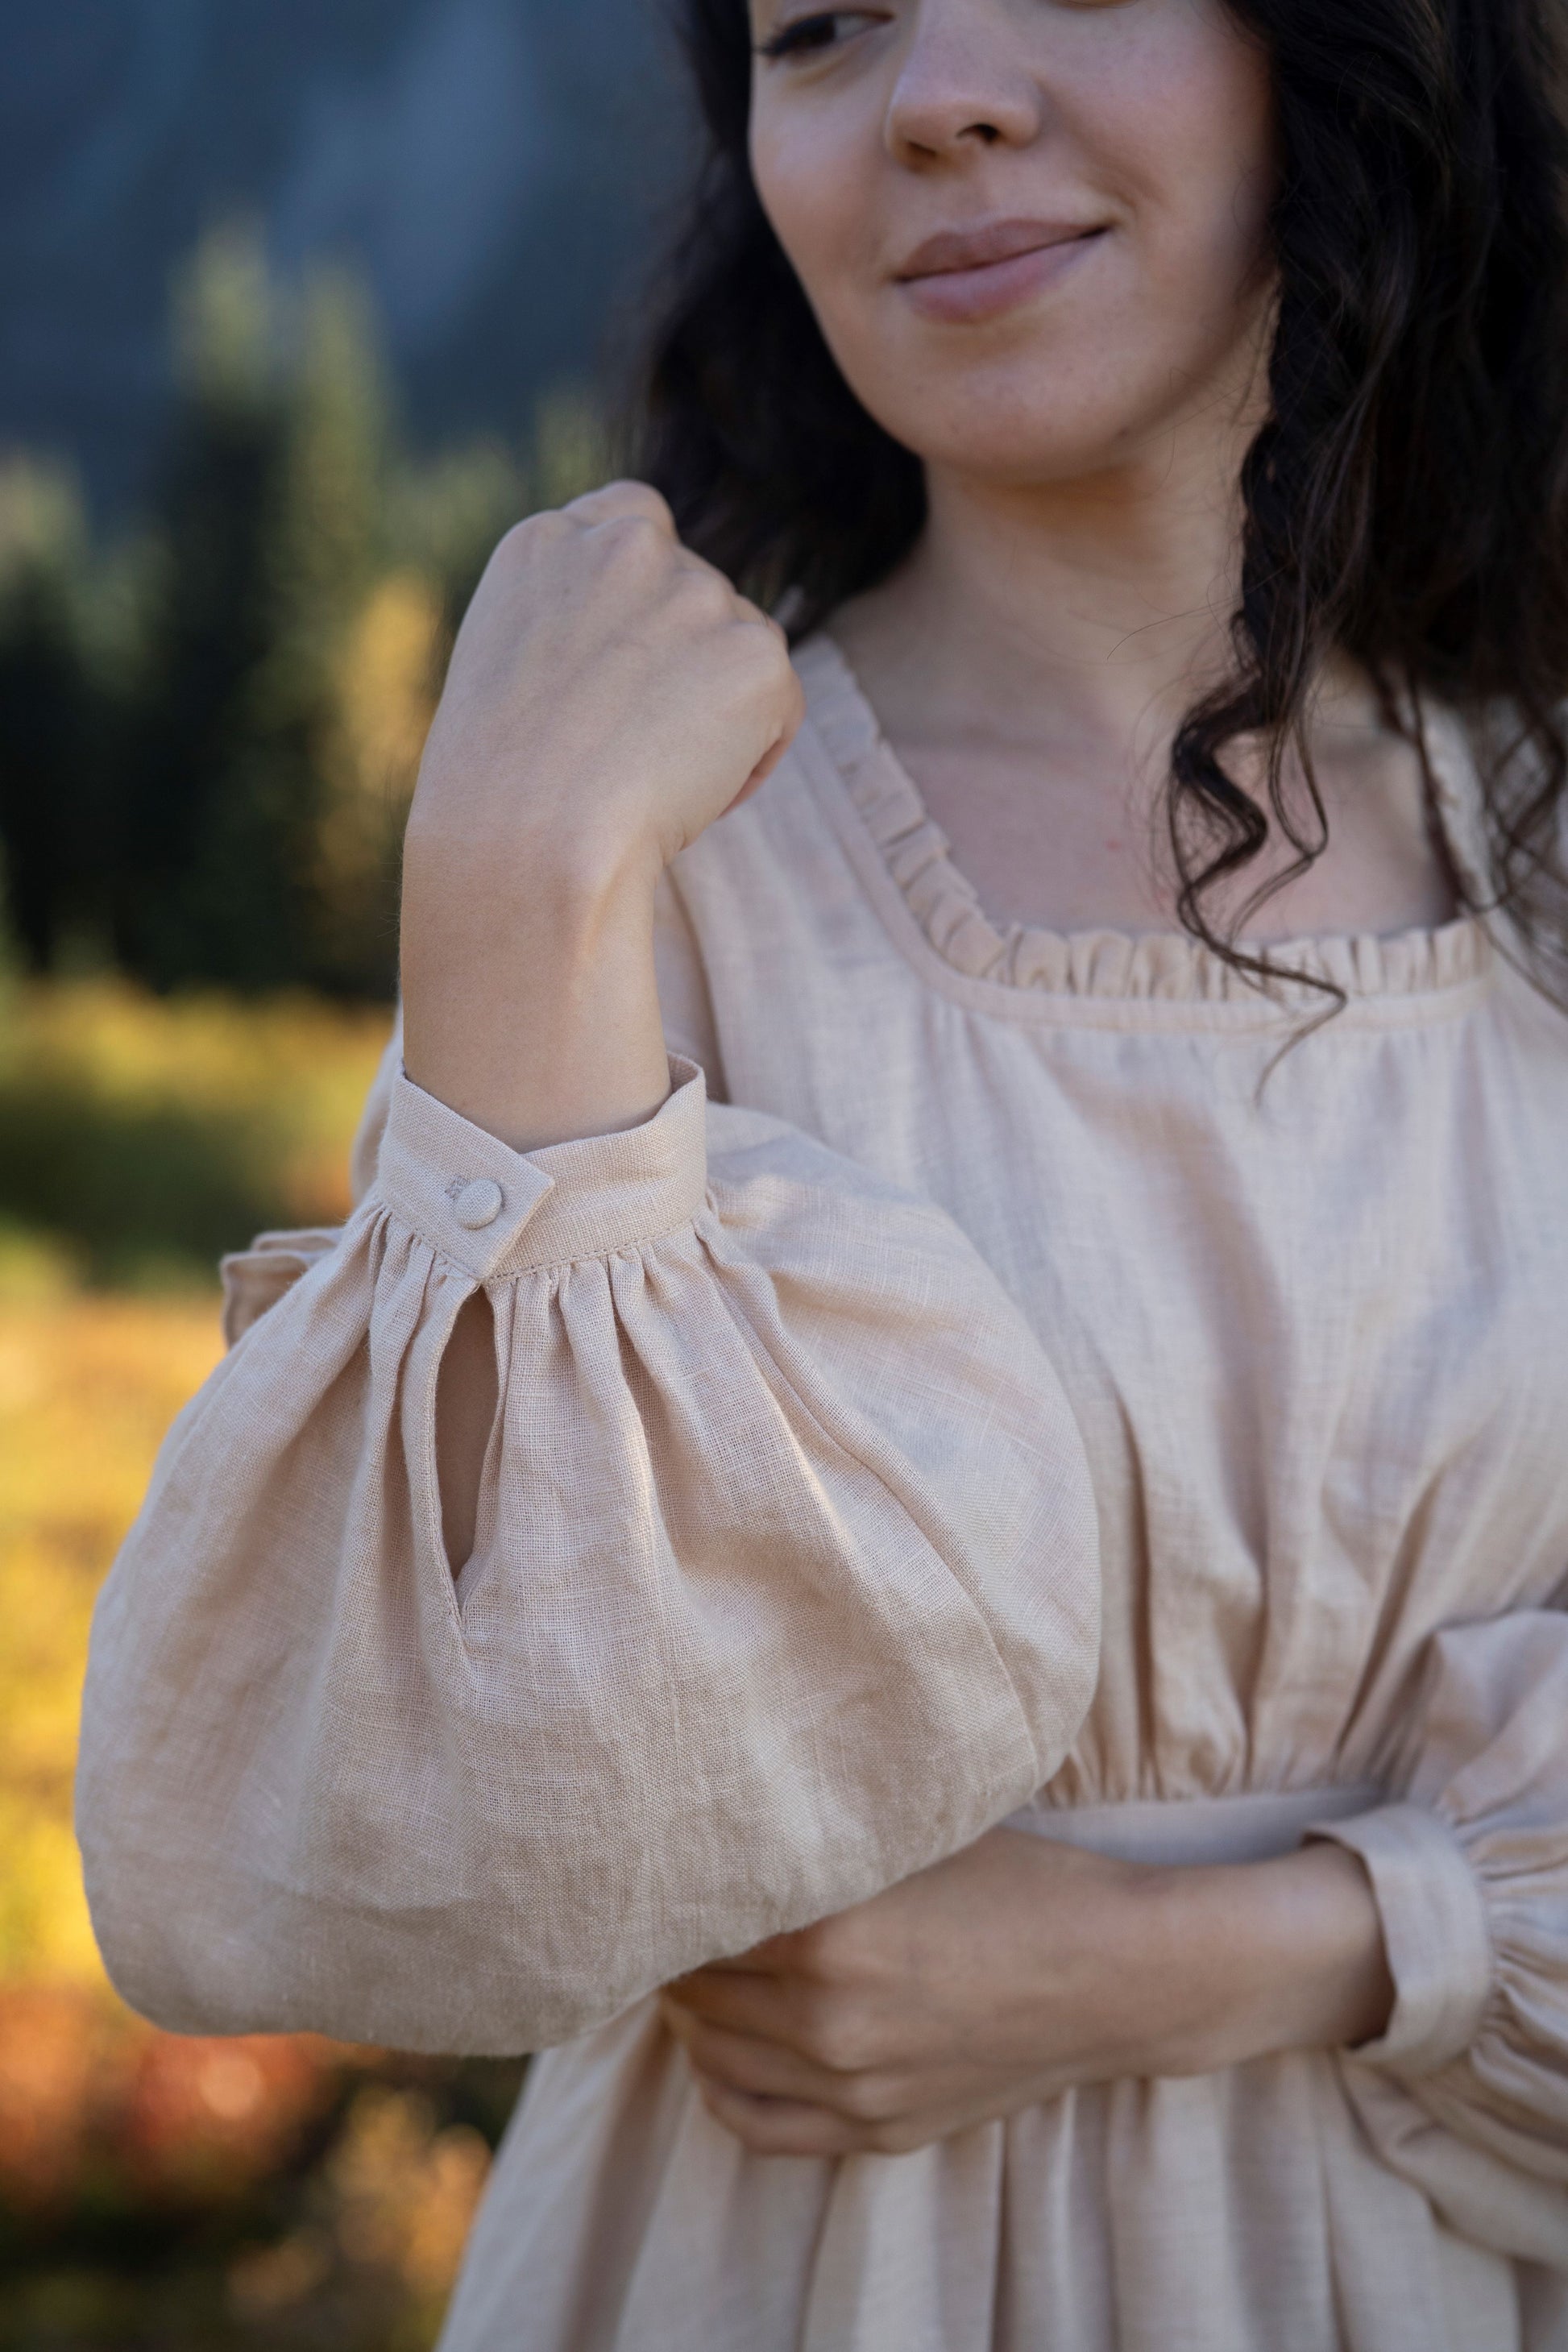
1034 231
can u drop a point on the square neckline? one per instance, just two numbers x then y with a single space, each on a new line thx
933 902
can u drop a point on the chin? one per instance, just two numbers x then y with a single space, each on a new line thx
1054 407
1042 432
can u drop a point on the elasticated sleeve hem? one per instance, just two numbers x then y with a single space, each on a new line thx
1435 1927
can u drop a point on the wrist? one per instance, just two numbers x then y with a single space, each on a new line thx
1323 1917
580 860
530 1004
1259 1958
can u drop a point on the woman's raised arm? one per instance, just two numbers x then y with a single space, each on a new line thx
609 696
783 1581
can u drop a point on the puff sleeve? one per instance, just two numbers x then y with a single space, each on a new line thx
1465 2094
786 1585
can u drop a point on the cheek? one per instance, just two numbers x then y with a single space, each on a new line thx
1188 131
815 174
830 191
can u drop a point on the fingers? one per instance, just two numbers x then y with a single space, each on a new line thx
621 502
780 1955
769 1960
835 2036
760 774
630 502
781 2104
779 2100
766 2069
741 2063
747 611
786 2126
741 2004
781 2127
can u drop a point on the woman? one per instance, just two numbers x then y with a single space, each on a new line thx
1129 1189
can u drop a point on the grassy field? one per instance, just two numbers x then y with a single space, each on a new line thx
156 2191
140 1137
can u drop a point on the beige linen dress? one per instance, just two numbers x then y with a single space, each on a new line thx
814 1403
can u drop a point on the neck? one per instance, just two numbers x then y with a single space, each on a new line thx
1114 590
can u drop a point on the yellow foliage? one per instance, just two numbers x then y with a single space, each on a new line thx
386 678
351 2195
89 1383
403 2190
287 1075
88 1386
386 683
297 1058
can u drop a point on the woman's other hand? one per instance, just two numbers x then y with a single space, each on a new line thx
1011 1972
609 696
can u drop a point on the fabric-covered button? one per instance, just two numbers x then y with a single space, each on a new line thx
478 1204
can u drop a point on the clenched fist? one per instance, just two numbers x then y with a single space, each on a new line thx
610 695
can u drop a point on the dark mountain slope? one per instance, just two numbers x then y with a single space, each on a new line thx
495 167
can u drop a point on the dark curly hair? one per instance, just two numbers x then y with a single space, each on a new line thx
1407 500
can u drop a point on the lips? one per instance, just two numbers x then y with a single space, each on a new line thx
963 278
980 249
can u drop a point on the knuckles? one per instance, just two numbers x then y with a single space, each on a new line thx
624 497
702 593
629 553
633 538
549 527
618 545
874 2100
836 2044
833 2036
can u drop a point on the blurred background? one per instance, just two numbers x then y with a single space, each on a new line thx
303 302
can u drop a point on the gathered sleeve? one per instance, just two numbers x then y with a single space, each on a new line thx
1466 2092
785 1585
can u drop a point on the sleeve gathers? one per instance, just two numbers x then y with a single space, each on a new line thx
785 1585
1466 2092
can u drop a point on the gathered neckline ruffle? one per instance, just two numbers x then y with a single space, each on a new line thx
1169 965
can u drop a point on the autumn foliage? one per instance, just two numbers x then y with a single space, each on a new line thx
157 2191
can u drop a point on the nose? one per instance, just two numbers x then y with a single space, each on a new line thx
961 85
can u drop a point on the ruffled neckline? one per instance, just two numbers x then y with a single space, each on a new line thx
1160 965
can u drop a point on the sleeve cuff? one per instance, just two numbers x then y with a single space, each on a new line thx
497 1213
1435 1927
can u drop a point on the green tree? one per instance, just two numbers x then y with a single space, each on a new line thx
209 626
271 534
447 512
52 721
208 736
257 896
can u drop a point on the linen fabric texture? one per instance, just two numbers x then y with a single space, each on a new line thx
786 1567
814 1401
